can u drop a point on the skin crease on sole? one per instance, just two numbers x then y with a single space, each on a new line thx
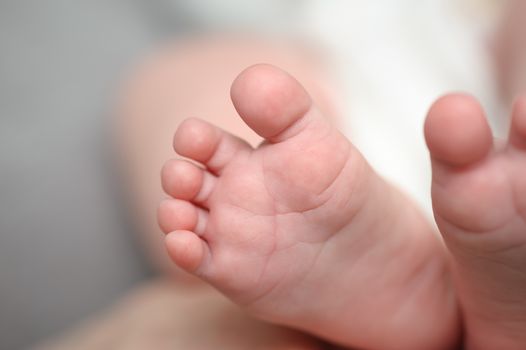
296 220
478 199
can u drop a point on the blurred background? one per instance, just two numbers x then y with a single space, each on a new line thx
67 247
67 243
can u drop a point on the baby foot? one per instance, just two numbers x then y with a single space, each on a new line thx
479 200
301 231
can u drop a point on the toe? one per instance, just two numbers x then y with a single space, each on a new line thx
303 152
456 130
174 214
517 135
269 100
187 250
181 179
207 144
457 135
184 180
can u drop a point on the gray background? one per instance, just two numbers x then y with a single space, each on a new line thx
66 249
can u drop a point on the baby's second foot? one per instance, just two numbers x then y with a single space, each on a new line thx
301 231
479 200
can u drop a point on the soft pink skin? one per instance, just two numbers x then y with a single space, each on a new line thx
479 199
169 86
301 231
510 50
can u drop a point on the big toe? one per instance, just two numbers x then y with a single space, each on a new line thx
269 100
457 131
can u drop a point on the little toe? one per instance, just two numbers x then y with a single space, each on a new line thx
207 144
175 214
187 250
456 130
517 135
184 180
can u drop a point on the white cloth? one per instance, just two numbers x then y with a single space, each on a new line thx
396 58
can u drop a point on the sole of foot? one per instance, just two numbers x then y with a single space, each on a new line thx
300 230
479 200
